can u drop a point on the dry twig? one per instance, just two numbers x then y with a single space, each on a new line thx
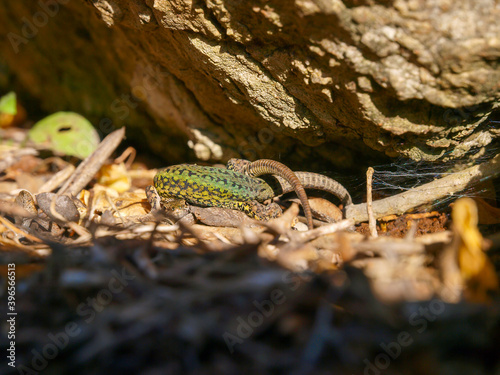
89 167
372 223
427 193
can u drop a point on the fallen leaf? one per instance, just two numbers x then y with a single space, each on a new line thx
475 267
8 109
487 214
67 133
132 203
114 176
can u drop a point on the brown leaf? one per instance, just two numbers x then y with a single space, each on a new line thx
114 176
487 213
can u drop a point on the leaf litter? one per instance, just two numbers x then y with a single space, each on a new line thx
218 293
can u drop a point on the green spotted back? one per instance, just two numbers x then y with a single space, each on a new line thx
210 186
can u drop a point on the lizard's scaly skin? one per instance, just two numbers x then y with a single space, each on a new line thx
267 166
239 188
216 187
309 180
317 181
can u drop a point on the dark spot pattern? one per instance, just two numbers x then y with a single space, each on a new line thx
216 187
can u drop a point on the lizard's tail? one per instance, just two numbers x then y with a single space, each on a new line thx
267 166
318 181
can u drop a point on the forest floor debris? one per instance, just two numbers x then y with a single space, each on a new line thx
148 297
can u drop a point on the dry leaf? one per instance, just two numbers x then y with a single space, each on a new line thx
103 198
476 269
487 213
132 203
115 176
325 209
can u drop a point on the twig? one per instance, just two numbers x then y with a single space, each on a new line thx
160 228
129 154
89 167
323 230
57 179
19 231
9 208
426 193
52 208
372 223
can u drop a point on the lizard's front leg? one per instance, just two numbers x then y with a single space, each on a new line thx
258 210
176 207
153 198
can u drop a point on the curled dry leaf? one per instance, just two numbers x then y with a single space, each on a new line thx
25 200
64 206
322 209
132 203
102 198
476 269
114 176
487 214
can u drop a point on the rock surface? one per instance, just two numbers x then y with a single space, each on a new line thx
305 80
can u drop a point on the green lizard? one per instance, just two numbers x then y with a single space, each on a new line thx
238 187
226 188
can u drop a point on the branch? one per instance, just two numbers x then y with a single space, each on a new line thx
449 185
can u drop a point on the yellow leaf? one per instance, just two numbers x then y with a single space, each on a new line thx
115 176
132 203
475 267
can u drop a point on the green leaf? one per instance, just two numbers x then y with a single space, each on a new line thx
8 103
67 133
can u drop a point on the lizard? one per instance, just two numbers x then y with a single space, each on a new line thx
226 188
238 186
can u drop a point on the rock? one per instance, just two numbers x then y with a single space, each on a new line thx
305 80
